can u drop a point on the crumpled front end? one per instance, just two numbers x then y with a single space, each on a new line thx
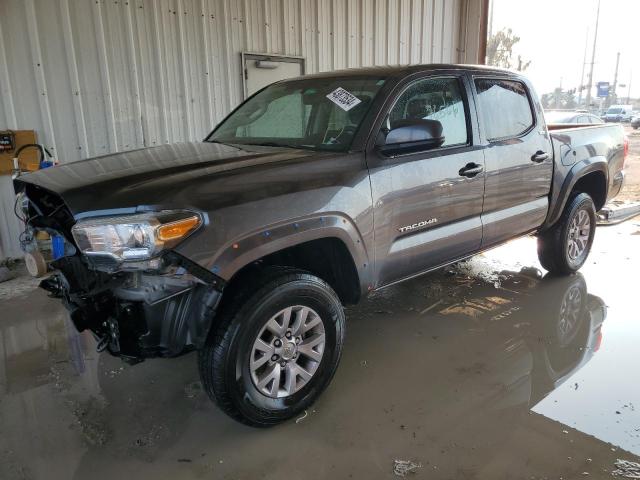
162 306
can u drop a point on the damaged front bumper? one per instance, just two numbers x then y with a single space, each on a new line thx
163 306
137 315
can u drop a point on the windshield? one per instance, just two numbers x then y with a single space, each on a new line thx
614 110
560 117
314 113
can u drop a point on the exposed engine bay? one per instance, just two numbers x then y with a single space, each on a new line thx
162 306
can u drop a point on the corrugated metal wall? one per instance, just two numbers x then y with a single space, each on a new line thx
98 76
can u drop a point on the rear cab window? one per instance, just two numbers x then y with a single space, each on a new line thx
505 108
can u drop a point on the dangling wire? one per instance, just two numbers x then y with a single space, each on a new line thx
42 150
27 237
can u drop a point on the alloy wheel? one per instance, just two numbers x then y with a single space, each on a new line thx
569 317
579 231
287 351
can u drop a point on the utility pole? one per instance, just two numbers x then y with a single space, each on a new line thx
629 90
490 19
593 58
613 96
584 62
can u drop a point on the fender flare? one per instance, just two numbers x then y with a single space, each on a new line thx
244 250
578 171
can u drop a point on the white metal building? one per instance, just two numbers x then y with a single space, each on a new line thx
99 76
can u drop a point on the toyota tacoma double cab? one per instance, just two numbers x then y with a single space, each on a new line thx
312 194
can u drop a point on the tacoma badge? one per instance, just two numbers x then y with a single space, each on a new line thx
421 224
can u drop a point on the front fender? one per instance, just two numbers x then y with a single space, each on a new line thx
248 248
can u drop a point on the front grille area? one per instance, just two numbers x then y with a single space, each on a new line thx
103 262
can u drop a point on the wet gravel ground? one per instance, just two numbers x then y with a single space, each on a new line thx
485 370
631 190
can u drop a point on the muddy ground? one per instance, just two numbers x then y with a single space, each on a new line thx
486 370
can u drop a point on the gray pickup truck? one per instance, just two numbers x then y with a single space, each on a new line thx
312 194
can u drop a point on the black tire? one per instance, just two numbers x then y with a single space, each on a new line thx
564 311
553 245
224 360
566 324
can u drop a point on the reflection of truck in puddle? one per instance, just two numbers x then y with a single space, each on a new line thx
549 328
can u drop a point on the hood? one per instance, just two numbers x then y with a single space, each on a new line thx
146 177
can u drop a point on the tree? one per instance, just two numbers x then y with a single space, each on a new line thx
559 99
500 51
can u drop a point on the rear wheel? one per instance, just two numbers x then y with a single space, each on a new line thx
275 350
565 247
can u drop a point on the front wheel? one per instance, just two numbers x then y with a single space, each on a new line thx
565 247
275 352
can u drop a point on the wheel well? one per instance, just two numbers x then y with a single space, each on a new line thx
327 258
595 185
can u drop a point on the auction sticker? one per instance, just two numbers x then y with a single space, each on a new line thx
343 99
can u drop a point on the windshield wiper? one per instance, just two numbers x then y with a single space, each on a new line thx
284 145
218 141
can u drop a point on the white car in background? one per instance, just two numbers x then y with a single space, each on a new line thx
570 116
618 113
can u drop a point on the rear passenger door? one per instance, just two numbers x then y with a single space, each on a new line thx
518 159
427 204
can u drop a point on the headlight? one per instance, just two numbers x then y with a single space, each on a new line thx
134 237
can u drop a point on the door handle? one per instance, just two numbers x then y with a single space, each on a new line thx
539 156
470 170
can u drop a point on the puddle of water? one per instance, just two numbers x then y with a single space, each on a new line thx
602 399
606 401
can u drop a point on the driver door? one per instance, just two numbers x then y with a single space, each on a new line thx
427 204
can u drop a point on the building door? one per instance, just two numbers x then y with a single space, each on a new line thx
263 70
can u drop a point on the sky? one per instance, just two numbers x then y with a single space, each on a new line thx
553 33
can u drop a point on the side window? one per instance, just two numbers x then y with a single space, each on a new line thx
434 99
504 106
583 119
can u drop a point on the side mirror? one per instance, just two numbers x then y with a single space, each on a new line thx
412 136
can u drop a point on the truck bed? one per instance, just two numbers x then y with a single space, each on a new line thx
571 126
577 144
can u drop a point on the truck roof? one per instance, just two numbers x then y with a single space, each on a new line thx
402 70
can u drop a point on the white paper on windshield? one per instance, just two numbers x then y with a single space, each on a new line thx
343 99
